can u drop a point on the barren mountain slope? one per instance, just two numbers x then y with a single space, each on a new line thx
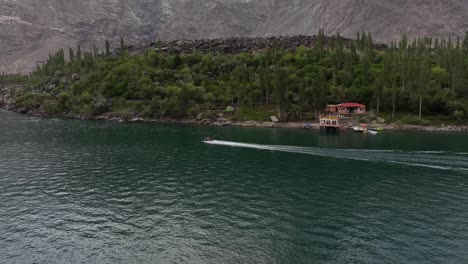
29 29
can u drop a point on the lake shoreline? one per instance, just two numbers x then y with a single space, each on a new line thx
222 122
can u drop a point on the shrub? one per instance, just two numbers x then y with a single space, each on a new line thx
64 101
248 114
171 107
100 105
50 107
209 115
85 98
125 114
456 106
86 110
413 120
458 114
146 113
294 112
29 103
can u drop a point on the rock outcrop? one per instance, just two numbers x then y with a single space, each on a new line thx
237 45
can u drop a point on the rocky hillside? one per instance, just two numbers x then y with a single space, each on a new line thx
236 45
30 29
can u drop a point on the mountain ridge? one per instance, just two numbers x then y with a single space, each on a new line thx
29 29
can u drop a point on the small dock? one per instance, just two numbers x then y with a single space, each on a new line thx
330 122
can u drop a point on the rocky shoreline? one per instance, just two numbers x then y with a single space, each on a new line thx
293 125
221 122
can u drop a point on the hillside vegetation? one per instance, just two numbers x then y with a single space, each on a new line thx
424 78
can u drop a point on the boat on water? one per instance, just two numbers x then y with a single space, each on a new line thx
364 129
208 139
360 129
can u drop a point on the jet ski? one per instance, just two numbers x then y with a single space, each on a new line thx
208 139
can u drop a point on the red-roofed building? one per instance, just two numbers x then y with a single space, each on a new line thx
351 108
331 109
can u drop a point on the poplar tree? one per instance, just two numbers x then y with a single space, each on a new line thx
107 48
95 51
71 54
78 53
122 44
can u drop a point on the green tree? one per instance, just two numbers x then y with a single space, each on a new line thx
107 48
281 83
78 53
71 54
122 44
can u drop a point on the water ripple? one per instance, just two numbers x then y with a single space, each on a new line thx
89 192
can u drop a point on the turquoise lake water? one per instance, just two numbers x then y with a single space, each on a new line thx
101 192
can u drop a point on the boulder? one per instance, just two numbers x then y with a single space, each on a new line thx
380 120
115 119
136 119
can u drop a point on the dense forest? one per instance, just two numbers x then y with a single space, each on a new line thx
412 80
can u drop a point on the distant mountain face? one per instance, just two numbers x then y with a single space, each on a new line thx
30 29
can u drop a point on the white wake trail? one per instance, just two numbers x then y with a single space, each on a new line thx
441 160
